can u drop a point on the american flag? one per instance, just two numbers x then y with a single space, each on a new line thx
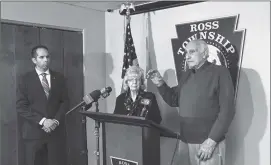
130 58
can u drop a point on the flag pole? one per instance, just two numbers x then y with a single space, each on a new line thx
128 7
127 17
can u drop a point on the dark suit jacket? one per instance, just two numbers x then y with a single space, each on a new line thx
153 114
32 104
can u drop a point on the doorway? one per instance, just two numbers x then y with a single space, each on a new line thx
66 50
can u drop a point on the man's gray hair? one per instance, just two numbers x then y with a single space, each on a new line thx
202 46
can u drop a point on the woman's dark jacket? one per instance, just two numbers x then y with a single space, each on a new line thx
144 101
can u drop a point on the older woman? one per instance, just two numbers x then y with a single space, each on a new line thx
135 101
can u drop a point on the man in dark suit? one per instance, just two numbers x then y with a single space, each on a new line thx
42 101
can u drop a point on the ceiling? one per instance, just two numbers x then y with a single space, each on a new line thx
101 6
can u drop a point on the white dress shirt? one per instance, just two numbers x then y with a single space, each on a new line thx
48 76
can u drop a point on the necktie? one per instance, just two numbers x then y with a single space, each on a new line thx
45 85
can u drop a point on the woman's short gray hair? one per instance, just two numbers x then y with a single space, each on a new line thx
134 70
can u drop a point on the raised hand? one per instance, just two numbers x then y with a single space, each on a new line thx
155 77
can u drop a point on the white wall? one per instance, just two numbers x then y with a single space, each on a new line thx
93 25
249 135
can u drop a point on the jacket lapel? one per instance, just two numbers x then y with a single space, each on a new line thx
53 84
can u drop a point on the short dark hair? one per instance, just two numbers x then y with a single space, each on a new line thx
34 50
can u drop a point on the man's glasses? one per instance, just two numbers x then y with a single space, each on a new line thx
193 51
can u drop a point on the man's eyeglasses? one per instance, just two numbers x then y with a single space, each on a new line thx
192 52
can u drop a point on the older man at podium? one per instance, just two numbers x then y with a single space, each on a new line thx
135 101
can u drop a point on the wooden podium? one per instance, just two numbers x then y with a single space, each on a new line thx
129 140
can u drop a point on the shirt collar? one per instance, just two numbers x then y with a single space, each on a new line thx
40 72
202 67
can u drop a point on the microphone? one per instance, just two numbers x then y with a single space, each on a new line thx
92 97
105 92
145 102
95 95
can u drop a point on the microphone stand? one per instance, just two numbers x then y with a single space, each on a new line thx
84 150
97 134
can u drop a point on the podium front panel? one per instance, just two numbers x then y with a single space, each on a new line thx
122 141
133 139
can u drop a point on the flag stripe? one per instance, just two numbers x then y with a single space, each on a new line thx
129 51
